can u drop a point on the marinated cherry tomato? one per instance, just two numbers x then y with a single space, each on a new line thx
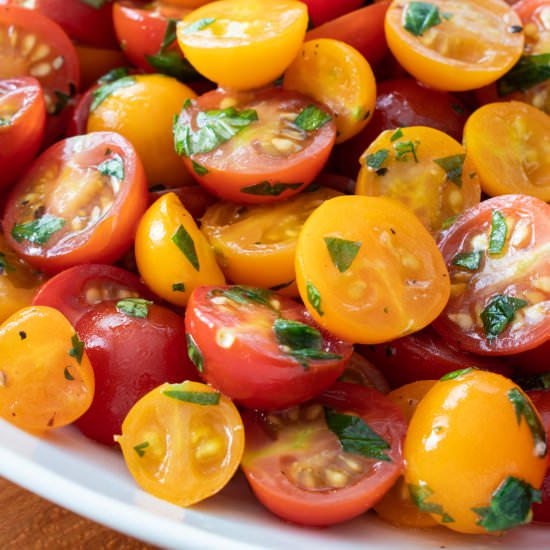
95 62
78 289
123 105
254 147
46 380
532 361
243 44
359 370
167 236
182 442
368 271
79 202
476 453
536 25
510 145
454 44
337 75
321 11
499 260
22 121
255 245
194 198
301 465
423 168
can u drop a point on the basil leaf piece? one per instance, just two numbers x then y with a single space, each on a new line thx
356 436
499 313
4 121
396 135
5 266
185 243
448 222
194 353
420 17
37 231
312 118
204 398
296 335
314 297
199 169
62 99
134 307
529 71
342 252
453 168
304 356
468 260
404 148
171 63
246 295
97 4
524 409
103 92
78 348
67 374
170 34
499 232
178 287
198 25
113 167
113 75
510 505
455 374
419 494
266 188
375 160
140 449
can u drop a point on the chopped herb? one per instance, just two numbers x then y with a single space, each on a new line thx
38 231
194 353
311 118
67 374
269 189
187 103
198 25
196 397
356 436
78 348
314 297
62 99
245 295
375 160
102 93
282 286
5 266
178 287
199 168
113 167
170 34
524 409
171 63
453 168
499 232
185 243
421 16
510 505
134 307
22 335
404 148
296 335
396 135
342 252
468 260
529 71
140 449
456 374
419 494
113 75
448 222
458 109
304 356
499 313
4 121
97 4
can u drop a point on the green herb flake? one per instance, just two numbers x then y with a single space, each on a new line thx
185 243
468 260
342 252
113 167
405 148
140 449
171 63
304 356
296 335
134 307
194 353
78 348
170 34
458 109
314 297
204 398
455 374
499 313
524 409
5 266
529 71
499 232
282 286
510 505
102 93
421 16
265 188
67 374
199 169
396 135
356 436
419 494
178 287
311 118
199 25
448 222
113 75
62 99
37 231
375 160
452 166
97 4
245 295
4 121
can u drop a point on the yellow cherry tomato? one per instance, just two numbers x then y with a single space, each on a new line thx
425 169
243 44
182 442
142 109
46 380
172 255
368 271
337 75
476 453
510 145
255 244
454 45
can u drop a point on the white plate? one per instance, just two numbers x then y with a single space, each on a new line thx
93 481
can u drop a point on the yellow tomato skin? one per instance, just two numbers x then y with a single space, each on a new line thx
337 75
143 113
510 146
464 440
474 46
164 266
248 44
46 381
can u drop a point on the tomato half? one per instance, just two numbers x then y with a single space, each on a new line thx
498 255
254 147
79 202
260 348
307 472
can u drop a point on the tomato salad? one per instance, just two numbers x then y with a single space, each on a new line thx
207 204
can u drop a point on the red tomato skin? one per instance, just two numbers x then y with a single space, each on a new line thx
321 11
78 121
195 199
278 494
20 141
130 356
533 361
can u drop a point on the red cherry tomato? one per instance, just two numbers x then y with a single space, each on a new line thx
195 199
260 348
22 121
298 467
533 361
321 11
132 348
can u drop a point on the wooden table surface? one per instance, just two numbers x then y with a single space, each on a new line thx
30 522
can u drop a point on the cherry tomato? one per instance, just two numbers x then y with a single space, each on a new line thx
243 44
95 62
321 11
182 442
533 361
254 147
499 261
22 122
46 380
301 466
194 198
80 201
359 370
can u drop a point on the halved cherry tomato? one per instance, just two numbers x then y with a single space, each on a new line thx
22 122
499 260
78 289
79 202
182 442
260 348
243 44
359 370
303 471
254 147
536 25
46 380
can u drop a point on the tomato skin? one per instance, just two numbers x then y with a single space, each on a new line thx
533 361
23 100
130 356
194 198
96 62
321 11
